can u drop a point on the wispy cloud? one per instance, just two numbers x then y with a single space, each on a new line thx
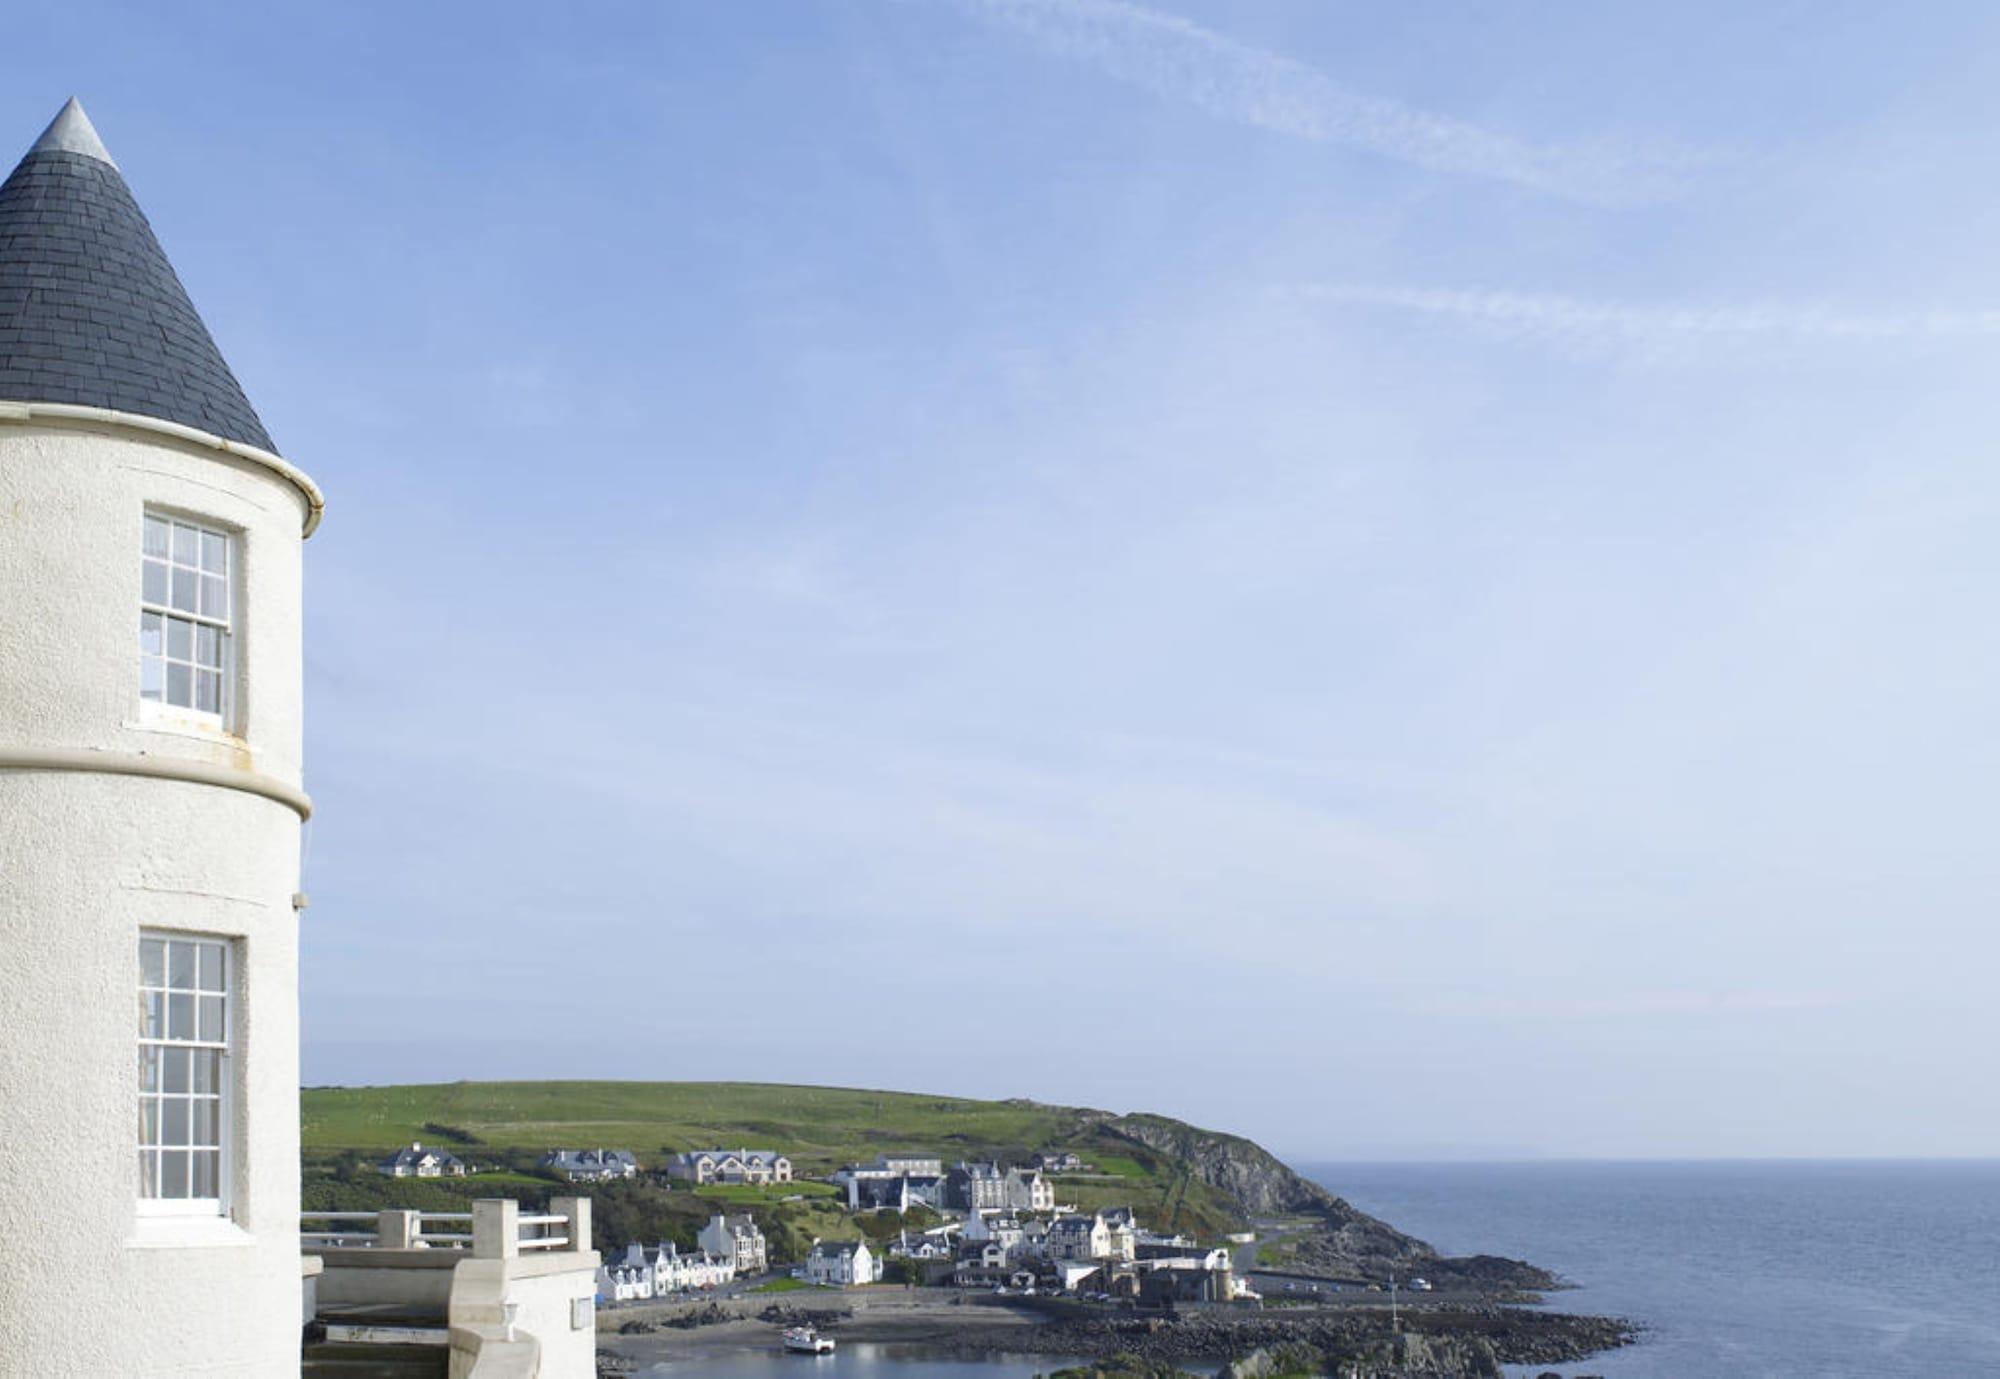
1580 325
1630 1005
1177 58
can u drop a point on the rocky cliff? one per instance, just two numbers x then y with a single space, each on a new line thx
1347 1243
1242 1171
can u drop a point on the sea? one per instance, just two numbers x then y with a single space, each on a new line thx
1765 1270
1826 1270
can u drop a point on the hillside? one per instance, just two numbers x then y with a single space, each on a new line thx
1177 1176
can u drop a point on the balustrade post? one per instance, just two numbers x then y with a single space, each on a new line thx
397 1230
496 1228
576 1212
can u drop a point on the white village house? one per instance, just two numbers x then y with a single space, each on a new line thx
753 1166
839 1264
994 1187
633 1277
894 1181
419 1162
1079 1238
1109 1234
736 1239
591 1165
624 1282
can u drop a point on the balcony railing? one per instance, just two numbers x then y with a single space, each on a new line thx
494 1229
546 1239
507 1293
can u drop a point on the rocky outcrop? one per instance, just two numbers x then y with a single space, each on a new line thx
1274 1363
1441 1343
1122 1367
1347 1244
1260 1185
1245 1173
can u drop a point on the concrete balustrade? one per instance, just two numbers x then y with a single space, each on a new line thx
538 1267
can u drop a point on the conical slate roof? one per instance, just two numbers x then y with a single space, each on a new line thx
91 312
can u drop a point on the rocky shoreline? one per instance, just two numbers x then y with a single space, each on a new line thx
1454 1341
1472 1341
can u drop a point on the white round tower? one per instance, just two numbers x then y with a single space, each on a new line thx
150 804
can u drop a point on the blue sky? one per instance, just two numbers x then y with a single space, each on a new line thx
1407 580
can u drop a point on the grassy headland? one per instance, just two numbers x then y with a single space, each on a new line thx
1176 1176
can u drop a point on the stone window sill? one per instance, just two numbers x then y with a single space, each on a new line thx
187 1233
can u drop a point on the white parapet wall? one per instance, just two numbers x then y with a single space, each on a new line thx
520 1303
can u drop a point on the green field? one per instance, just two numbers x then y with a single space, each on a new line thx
819 1127
747 1195
500 1127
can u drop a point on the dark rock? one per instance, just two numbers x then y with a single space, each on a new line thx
824 1318
1468 1342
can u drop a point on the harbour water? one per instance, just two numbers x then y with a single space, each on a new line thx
1738 1270
857 1361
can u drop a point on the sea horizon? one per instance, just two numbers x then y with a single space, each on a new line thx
1778 1268
1296 1159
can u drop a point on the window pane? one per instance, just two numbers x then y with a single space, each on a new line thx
214 597
174 1121
152 679
156 536
186 545
213 548
180 1093
153 582
208 691
180 685
183 589
180 966
207 646
173 1173
180 639
203 1184
150 642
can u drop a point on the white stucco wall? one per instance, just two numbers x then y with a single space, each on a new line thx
88 859
548 1289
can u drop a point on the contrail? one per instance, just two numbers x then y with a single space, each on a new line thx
1177 58
1573 322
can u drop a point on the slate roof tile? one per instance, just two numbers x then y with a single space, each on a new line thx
91 311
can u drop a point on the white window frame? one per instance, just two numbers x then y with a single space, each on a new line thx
224 625
218 1206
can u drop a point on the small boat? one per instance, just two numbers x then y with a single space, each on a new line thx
803 1340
